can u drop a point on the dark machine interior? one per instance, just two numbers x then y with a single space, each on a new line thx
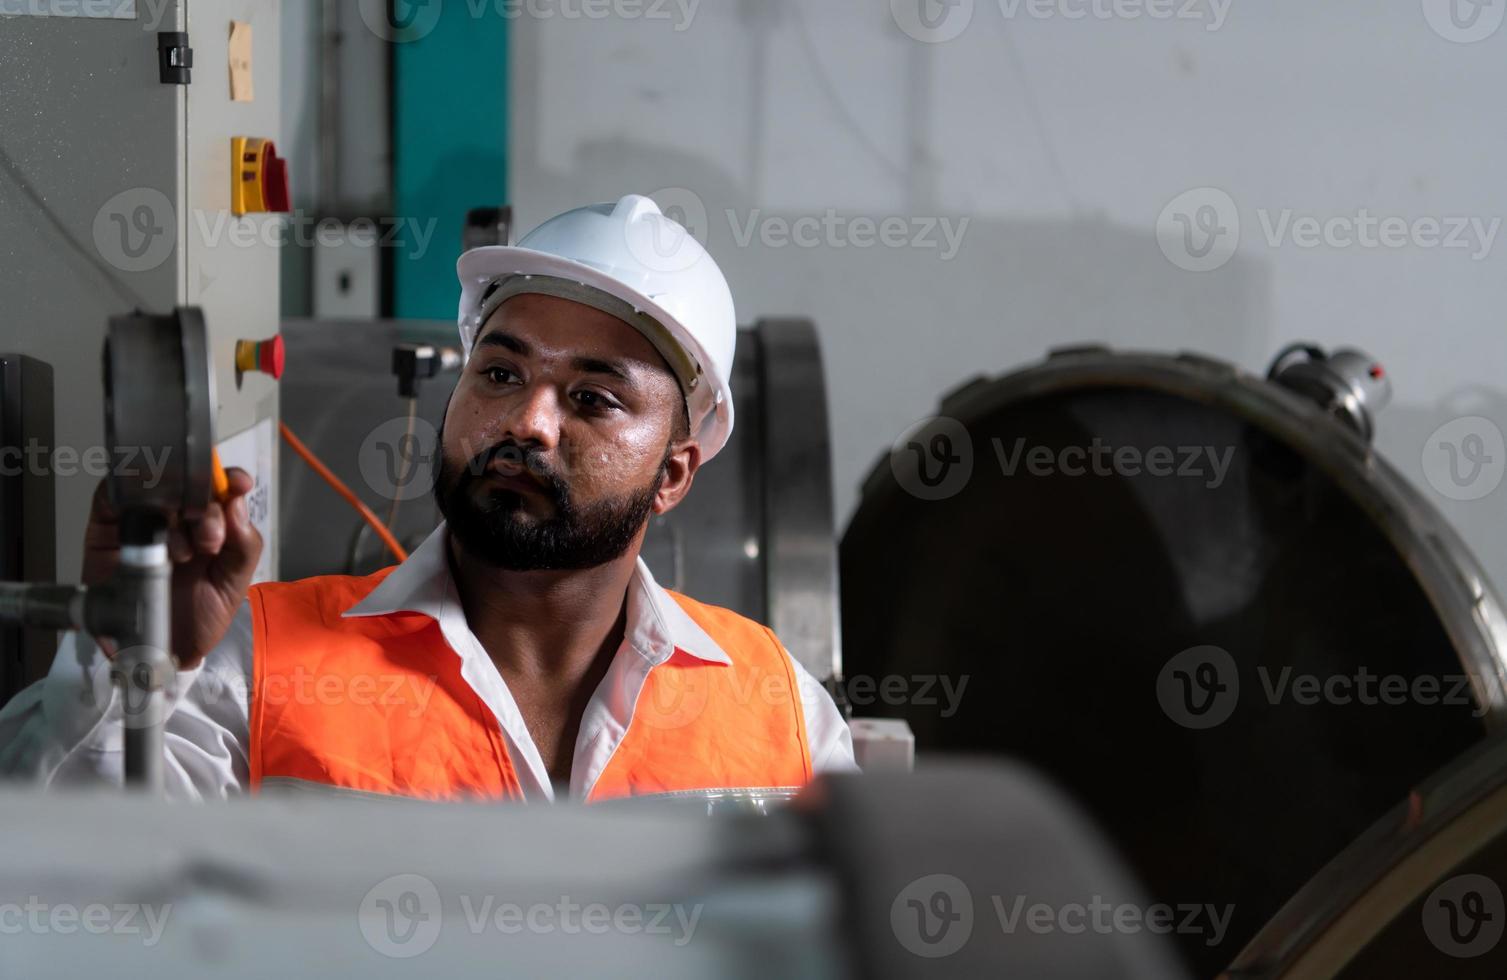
1063 597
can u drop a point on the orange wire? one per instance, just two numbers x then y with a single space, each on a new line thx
344 491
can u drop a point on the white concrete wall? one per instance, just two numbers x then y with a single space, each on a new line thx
1061 140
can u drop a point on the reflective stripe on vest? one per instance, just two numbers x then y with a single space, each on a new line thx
377 704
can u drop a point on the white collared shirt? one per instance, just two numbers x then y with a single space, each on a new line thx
66 728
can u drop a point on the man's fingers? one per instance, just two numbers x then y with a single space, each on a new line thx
103 530
101 537
101 511
179 548
209 529
240 481
242 543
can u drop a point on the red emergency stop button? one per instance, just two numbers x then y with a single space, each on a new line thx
265 356
258 178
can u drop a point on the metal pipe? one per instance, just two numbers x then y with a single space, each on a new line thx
135 609
56 607
143 666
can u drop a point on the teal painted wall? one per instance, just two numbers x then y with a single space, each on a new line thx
450 129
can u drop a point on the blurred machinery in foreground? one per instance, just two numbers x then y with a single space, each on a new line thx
961 872
1151 570
755 535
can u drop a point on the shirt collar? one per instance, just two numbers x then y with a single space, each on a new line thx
656 625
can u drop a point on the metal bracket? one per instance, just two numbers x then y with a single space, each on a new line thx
174 58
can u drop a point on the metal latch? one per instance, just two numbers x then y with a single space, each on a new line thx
174 58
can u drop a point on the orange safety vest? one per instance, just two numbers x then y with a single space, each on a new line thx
378 704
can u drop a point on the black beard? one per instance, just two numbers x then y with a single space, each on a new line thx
494 529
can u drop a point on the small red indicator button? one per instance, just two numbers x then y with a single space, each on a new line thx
265 356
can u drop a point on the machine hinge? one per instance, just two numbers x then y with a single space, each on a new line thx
174 58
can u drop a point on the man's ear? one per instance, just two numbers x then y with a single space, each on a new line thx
681 464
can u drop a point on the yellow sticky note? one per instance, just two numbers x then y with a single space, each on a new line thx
240 62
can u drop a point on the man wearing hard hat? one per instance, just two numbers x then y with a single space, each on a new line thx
523 651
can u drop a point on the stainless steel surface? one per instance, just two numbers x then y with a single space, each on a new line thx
1349 384
57 607
135 607
1063 599
754 535
757 801
800 558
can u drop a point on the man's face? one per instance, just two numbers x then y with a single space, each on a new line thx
564 433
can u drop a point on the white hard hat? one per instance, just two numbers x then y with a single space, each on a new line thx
629 260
